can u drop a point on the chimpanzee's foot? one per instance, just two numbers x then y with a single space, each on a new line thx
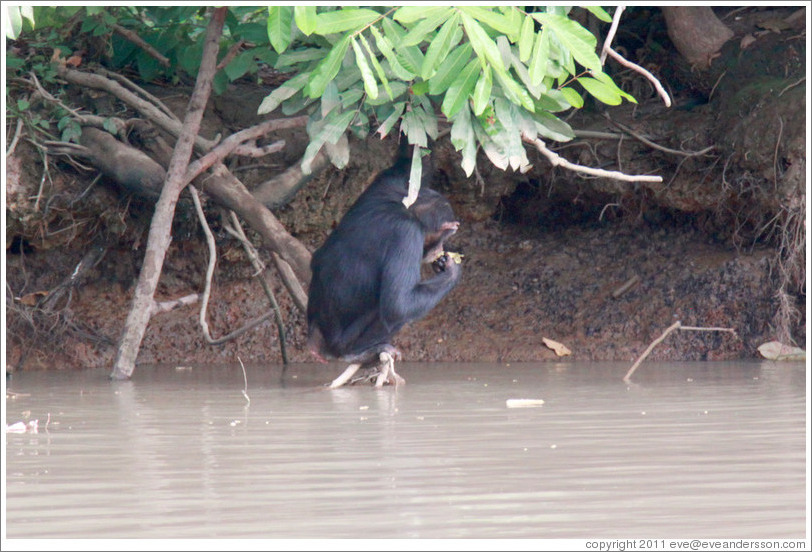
345 376
388 373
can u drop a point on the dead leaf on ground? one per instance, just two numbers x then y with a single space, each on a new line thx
30 299
559 348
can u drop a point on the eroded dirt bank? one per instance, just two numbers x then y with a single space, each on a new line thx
600 266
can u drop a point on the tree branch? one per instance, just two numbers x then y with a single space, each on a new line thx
138 41
557 161
160 227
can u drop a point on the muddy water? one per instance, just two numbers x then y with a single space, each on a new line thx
700 450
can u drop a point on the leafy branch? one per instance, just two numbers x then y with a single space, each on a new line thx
498 76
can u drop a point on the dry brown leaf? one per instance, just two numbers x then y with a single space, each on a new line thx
30 299
559 348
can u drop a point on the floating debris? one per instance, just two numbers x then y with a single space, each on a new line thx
21 427
524 403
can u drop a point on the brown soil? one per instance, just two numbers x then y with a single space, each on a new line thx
600 266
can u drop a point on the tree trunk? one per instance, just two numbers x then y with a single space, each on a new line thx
160 230
696 33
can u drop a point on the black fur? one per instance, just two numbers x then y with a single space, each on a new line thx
366 282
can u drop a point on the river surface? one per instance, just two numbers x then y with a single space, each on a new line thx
713 450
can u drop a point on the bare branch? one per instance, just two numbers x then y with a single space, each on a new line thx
231 143
633 66
651 144
675 326
557 161
160 227
610 36
138 41
165 306
231 54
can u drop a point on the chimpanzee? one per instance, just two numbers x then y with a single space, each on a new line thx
366 283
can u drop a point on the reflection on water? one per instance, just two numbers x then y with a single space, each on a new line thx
690 449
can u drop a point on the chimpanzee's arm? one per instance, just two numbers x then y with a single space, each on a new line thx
404 297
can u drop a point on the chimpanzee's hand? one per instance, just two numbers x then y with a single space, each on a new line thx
449 263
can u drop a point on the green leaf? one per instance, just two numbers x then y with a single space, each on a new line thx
345 19
449 69
463 139
541 53
370 85
329 99
391 119
15 22
580 42
410 58
410 14
378 69
514 19
494 20
279 21
484 47
482 91
412 126
350 97
524 76
425 111
383 44
573 97
240 65
23 104
327 130
220 82
526 37
306 18
552 100
415 176
511 136
447 37
148 66
601 91
253 32
514 92
607 80
398 90
292 57
419 88
600 13
327 69
286 90
457 95
550 126
430 21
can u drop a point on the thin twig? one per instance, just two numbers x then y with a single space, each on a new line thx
556 160
45 172
204 301
17 132
793 85
610 36
717 84
651 144
645 72
237 231
138 90
138 41
675 326
775 154
245 381
231 54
